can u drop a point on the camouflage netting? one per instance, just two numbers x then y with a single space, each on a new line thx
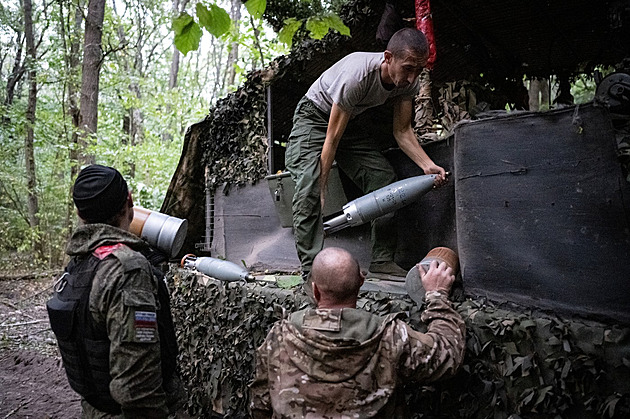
235 145
519 363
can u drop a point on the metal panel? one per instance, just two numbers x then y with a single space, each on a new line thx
543 209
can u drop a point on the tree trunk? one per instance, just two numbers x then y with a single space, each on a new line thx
133 121
172 79
137 117
16 74
538 94
29 152
235 14
174 73
219 84
92 60
72 62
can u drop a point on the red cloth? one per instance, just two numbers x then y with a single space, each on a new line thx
104 251
424 22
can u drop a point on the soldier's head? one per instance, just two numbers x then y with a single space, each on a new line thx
406 55
336 277
101 195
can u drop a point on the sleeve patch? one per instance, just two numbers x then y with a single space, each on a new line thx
145 326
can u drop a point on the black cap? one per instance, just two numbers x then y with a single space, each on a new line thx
99 193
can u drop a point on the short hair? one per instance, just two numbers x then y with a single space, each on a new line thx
408 40
337 274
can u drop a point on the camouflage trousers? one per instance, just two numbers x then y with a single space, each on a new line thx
357 156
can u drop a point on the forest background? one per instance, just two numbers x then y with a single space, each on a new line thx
66 101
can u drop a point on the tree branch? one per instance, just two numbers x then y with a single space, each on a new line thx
262 57
15 200
150 54
112 50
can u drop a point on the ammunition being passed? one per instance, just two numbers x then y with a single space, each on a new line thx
380 202
159 230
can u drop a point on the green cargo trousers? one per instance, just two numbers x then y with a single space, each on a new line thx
357 156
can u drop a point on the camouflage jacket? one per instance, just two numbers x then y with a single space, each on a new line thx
124 292
347 363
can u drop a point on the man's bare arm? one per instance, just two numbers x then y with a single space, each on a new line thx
337 124
408 143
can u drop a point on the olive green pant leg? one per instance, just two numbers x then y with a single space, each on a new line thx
303 162
360 159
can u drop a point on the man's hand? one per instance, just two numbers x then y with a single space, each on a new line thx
437 278
434 169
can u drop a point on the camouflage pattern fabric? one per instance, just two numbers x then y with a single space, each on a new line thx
123 298
338 363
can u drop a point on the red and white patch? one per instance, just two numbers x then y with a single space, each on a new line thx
104 251
145 326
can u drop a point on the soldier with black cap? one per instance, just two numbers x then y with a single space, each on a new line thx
110 313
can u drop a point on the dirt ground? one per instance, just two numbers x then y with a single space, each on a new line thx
33 383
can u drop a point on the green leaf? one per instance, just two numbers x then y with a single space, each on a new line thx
289 281
187 33
335 22
317 27
215 20
256 8
289 29
181 22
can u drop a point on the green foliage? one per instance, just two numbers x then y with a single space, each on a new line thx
583 86
318 26
289 29
335 23
317 19
141 60
187 33
215 20
518 363
256 8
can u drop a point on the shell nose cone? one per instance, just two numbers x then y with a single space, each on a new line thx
417 186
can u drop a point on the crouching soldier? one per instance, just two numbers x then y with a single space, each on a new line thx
110 313
337 361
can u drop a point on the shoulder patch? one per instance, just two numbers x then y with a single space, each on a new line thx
130 259
145 326
103 251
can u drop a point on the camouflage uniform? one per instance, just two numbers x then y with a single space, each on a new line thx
348 363
124 285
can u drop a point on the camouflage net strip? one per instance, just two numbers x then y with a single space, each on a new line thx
235 148
433 123
519 364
